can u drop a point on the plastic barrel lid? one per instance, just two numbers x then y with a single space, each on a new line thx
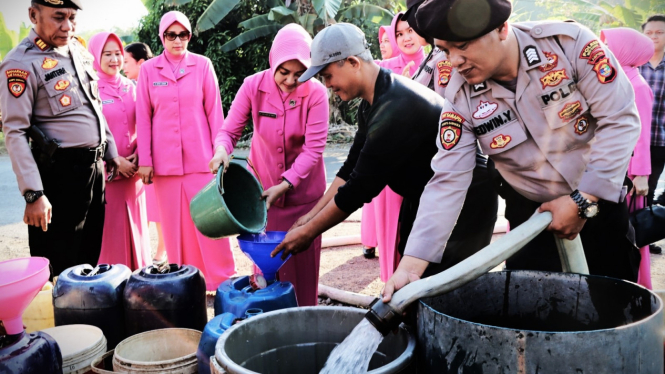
77 340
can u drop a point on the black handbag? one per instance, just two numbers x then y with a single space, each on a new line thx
649 223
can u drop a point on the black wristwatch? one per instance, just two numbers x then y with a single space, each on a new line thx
32 196
586 208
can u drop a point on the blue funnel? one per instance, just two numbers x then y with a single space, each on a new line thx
258 247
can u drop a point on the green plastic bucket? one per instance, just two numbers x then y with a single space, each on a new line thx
230 204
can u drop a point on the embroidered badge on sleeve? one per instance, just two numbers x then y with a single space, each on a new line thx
552 62
553 78
570 111
445 69
16 81
581 126
450 129
605 71
500 141
49 63
61 85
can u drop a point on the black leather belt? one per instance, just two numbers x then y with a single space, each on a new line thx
80 156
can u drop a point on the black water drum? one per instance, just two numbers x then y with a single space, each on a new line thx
92 296
158 298
35 353
538 322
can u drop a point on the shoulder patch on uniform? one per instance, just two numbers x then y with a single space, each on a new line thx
552 61
589 49
16 81
531 55
553 78
445 68
450 131
49 63
41 44
605 71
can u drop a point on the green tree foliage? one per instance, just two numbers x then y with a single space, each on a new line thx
231 68
601 14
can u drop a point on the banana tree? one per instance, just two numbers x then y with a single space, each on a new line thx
312 16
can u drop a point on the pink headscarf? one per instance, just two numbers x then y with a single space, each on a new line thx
169 19
393 42
417 57
96 47
630 47
292 42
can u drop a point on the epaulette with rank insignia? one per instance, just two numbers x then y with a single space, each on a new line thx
82 41
41 44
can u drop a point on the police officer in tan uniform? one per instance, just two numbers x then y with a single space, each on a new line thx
550 105
56 136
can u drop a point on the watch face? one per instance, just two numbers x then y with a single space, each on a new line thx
30 197
591 211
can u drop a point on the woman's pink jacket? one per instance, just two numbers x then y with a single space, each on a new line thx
289 138
175 117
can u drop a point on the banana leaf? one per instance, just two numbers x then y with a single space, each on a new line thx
307 22
255 22
326 8
170 2
215 12
250 35
367 13
278 13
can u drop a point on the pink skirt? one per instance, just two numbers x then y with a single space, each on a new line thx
151 203
184 243
384 220
126 239
302 270
368 226
644 274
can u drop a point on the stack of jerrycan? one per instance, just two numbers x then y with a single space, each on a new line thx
165 297
22 352
93 296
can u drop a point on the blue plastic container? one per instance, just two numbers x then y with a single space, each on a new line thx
36 353
258 247
213 330
236 296
92 296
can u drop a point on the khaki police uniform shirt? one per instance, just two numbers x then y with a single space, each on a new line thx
571 124
436 73
55 90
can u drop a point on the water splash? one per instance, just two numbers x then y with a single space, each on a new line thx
355 352
262 237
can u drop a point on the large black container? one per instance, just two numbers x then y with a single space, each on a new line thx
92 296
538 322
35 353
155 300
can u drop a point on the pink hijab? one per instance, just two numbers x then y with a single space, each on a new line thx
630 47
417 57
292 42
96 47
169 19
393 41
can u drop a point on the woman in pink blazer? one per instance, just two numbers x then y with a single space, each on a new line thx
178 112
633 49
290 130
126 239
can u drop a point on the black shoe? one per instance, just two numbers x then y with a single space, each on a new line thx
369 252
655 249
660 200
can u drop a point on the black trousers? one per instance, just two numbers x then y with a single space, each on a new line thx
474 227
608 240
74 186
657 166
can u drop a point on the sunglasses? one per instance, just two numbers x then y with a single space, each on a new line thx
170 35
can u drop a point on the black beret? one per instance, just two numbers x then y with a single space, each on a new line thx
461 20
75 4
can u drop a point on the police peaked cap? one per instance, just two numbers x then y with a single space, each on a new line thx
74 4
461 20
